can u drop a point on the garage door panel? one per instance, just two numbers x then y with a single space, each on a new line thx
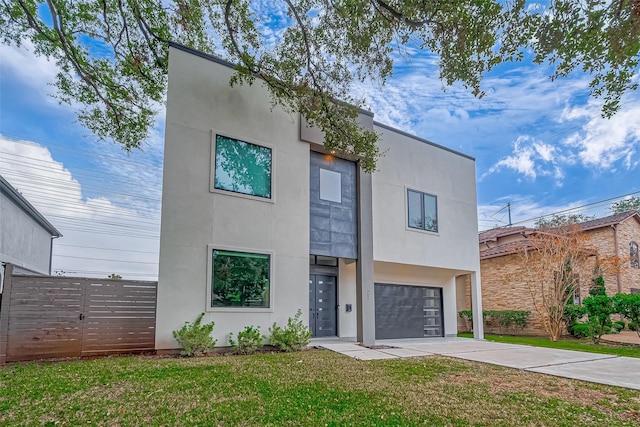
407 311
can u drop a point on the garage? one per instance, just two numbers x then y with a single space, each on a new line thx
408 311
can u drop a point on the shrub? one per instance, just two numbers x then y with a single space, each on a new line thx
628 306
295 336
618 325
633 326
195 338
599 309
504 318
249 340
581 330
572 314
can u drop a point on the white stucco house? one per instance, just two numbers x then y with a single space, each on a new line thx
26 237
259 221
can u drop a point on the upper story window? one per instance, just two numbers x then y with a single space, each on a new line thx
330 186
242 167
240 279
633 255
423 210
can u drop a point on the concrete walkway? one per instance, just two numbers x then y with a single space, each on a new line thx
597 368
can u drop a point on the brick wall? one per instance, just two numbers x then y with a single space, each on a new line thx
502 289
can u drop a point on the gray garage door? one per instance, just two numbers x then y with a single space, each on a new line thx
408 311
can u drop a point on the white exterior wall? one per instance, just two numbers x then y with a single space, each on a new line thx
201 103
23 241
414 164
406 256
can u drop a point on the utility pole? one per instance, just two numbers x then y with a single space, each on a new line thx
509 209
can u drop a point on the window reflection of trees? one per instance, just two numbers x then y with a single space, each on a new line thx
240 279
242 167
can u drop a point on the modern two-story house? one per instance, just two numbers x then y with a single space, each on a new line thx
259 221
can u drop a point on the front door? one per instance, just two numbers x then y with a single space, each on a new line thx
322 305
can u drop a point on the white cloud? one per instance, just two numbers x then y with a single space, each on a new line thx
36 71
531 158
603 142
99 235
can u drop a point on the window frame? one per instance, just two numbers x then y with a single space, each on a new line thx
634 259
238 309
422 209
212 165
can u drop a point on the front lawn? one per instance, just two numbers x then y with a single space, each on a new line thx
567 343
312 388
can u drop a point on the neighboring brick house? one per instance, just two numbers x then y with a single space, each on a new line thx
612 236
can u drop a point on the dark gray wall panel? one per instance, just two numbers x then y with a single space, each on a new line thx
333 226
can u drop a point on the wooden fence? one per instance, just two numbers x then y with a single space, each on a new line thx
45 317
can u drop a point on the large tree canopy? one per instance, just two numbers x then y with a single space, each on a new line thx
113 53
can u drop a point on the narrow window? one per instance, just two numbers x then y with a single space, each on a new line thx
240 279
633 255
422 210
330 186
242 167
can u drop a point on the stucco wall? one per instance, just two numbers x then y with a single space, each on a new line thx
414 164
23 241
201 103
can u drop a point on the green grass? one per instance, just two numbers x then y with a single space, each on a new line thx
627 350
311 388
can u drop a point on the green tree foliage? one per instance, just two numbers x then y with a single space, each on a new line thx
629 307
560 220
630 204
113 53
597 286
599 309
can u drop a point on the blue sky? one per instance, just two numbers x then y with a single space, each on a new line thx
540 145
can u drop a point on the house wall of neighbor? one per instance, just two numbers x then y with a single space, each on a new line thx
504 288
23 242
200 104
604 239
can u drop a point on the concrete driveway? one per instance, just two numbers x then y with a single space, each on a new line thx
597 368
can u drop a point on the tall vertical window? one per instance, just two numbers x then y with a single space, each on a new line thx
633 255
423 210
242 167
240 279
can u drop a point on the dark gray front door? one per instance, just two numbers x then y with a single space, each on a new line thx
322 305
408 311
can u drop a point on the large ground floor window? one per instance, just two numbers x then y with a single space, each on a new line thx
240 279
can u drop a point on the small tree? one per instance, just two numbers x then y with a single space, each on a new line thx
629 307
553 260
599 309
630 204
